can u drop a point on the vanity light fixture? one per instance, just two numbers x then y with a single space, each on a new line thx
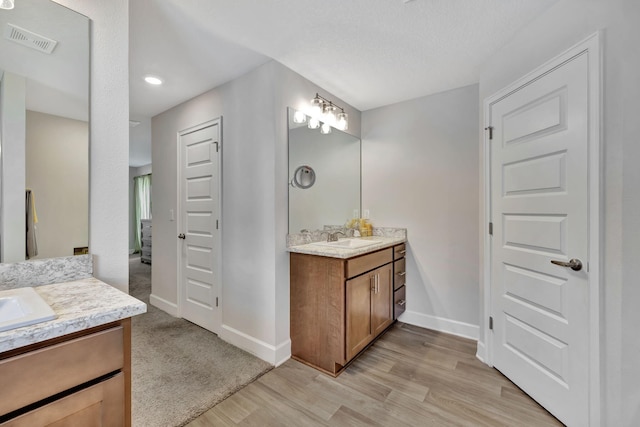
6 4
153 80
327 112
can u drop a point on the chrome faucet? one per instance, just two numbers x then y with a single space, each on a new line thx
333 237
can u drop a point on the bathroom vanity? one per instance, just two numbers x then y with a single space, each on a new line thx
75 369
343 298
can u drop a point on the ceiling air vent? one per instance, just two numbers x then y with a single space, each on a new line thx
29 39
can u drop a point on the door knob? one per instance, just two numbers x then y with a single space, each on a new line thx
181 236
574 264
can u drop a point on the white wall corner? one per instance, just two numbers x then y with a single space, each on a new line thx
441 324
164 305
275 355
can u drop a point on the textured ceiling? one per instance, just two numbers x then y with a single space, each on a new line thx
368 52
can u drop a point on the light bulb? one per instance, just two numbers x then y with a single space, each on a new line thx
299 117
6 4
343 121
316 107
325 128
313 123
330 114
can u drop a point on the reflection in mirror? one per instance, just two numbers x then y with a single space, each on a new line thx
334 197
44 131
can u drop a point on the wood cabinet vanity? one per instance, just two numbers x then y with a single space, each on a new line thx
340 306
80 379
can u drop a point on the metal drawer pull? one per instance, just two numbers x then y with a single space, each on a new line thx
404 251
402 302
372 281
402 273
574 264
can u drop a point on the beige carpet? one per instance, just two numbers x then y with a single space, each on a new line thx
179 370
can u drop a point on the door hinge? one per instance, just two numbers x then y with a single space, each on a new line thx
491 323
216 301
491 229
490 129
217 224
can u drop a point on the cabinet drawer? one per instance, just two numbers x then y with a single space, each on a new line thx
50 370
399 302
399 251
399 273
99 405
368 262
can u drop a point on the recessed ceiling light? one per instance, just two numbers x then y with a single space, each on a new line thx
153 80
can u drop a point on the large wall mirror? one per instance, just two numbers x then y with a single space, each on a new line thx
44 131
324 176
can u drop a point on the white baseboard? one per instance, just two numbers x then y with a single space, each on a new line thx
481 352
454 327
164 305
276 355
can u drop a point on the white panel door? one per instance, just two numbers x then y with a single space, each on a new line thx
539 209
199 230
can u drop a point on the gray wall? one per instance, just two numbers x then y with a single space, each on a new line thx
567 23
420 171
109 138
255 273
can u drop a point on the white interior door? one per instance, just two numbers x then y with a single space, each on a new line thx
539 209
199 225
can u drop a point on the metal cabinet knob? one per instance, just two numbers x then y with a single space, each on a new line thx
574 264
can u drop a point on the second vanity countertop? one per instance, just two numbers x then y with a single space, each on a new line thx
338 252
79 305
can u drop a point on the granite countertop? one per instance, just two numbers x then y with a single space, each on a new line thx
337 252
79 305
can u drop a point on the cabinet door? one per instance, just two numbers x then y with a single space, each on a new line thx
358 310
381 297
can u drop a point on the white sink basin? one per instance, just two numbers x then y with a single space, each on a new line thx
348 243
22 307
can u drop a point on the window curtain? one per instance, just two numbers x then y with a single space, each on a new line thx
142 200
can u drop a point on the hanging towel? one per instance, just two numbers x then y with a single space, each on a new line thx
32 219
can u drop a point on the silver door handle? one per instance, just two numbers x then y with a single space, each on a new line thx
574 264
401 302
402 273
181 236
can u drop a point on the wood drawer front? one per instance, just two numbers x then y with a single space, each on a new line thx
50 370
368 262
399 302
399 273
399 251
99 405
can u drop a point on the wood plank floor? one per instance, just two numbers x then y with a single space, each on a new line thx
410 377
